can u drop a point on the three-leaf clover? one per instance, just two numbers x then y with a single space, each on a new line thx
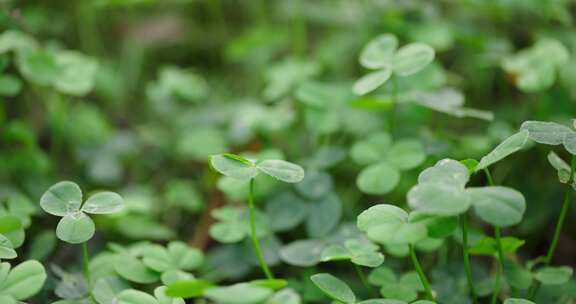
405 287
385 161
441 190
238 167
382 54
64 199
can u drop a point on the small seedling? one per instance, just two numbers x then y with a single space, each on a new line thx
64 199
241 168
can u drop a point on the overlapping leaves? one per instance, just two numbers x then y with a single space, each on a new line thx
441 190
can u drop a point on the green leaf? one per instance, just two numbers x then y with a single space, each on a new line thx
62 198
323 216
379 178
132 269
285 211
11 227
285 296
77 73
499 206
412 58
508 146
106 289
371 82
570 142
24 280
132 296
406 154
388 224
234 166
563 169
371 149
282 170
548 133
188 289
75 228
160 294
242 293
488 246
379 52
333 287
12 40
302 253
6 249
9 85
439 199
517 301
554 275
516 275
103 203
274 284
446 171
38 66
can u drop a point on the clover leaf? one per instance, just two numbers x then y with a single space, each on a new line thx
441 190
241 293
333 287
6 249
403 288
554 275
64 199
381 54
534 69
551 133
359 251
176 256
563 169
241 168
22 281
388 224
385 161
508 146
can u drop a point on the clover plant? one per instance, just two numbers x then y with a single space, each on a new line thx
241 168
414 183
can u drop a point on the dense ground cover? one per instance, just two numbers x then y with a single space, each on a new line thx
284 152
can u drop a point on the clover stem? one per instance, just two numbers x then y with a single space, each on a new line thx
467 268
562 217
362 277
558 229
253 235
394 97
86 263
500 257
300 34
500 266
421 274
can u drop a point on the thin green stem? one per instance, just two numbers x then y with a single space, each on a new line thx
500 257
467 268
421 274
394 101
500 265
558 229
362 277
299 28
253 235
562 217
86 263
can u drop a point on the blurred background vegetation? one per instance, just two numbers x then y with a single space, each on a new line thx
133 95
